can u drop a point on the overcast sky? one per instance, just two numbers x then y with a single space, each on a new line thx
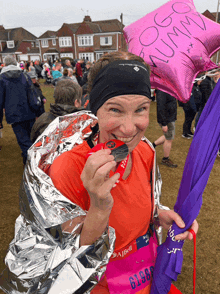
40 16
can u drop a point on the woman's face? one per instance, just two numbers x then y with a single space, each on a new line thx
125 118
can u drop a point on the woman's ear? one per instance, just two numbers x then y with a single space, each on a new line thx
77 103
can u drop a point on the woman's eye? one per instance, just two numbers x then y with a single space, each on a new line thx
141 109
115 110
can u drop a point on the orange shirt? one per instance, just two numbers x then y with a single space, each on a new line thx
131 212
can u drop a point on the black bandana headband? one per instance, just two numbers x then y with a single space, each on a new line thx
121 77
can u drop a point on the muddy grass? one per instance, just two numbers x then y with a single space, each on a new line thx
208 241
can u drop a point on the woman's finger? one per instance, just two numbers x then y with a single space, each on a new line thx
110 183
102 174
182 236
95 161
187 234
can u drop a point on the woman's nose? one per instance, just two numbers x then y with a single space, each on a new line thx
128 127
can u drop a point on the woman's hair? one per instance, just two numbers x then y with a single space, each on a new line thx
66 92
65 72
9 60
70 71
108 58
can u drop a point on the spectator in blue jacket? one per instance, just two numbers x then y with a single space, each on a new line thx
14 89
56 73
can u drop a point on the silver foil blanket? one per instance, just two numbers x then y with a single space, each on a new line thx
45 256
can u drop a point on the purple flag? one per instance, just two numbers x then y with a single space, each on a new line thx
198 165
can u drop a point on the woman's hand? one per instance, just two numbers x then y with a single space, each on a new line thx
166 218
95 178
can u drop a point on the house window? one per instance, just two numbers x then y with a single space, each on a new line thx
105 41
87 56
37 43
10 44
70 55
85 41
54 42
44 43
99 55
32 44
65 42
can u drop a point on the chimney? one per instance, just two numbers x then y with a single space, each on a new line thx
87 18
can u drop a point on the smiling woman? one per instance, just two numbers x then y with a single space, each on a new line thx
120 97
124 118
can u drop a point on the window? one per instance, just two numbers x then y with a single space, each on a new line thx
10 44
37 43
87 56
105 41
99 55
85 41
32 44
65 42
70 55
44 43
54 42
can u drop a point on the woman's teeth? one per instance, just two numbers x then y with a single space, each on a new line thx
125 140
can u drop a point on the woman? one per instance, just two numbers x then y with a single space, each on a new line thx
32 68
120 98
64 77
72 75
46 73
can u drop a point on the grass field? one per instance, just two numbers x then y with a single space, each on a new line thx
208 241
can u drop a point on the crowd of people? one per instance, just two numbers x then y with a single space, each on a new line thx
120 97
15 83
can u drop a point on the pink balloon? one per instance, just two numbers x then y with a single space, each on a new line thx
177 42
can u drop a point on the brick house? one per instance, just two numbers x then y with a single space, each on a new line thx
87 40
49 47
19 43
93 39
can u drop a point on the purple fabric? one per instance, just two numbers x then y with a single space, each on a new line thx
198 165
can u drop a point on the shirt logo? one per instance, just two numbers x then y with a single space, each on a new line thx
136 68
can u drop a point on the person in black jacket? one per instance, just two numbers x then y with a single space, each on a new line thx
37 88
85 74
166 117
14 89
190 109
67 95
206 87
38 69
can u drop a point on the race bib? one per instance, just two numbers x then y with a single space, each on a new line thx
131 268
